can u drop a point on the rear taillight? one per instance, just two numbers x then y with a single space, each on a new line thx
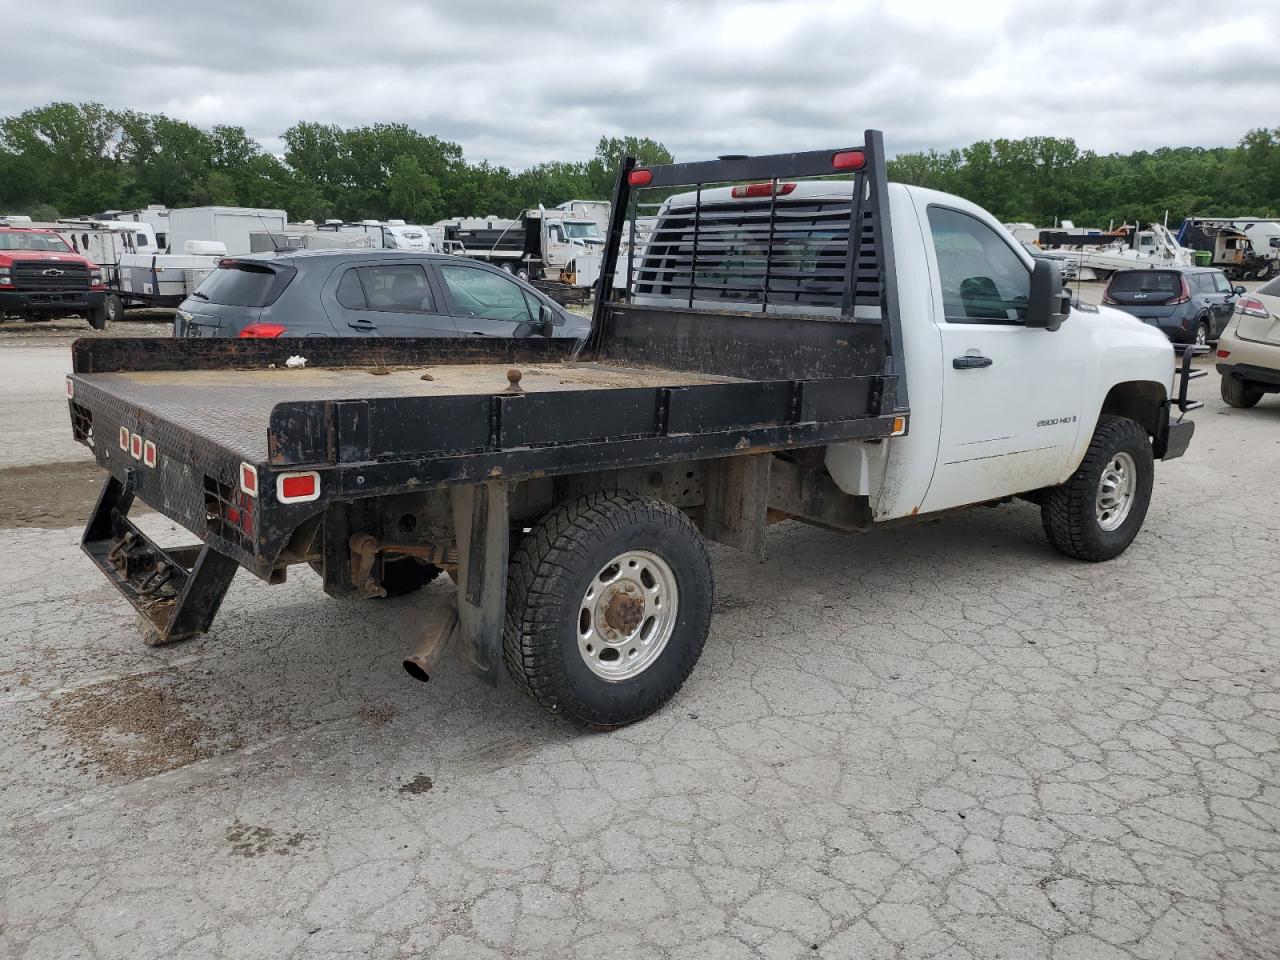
1252 307
761 190
298 487
262 331
1106 295
1223 354
1185 295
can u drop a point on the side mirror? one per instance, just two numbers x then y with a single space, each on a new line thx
1239 290
546 321
1048 305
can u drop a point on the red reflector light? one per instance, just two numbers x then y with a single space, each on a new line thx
849 160
761 190
124 439
71 388
298 487
249 479
640 177
149 454
262 331
1224 354
135 446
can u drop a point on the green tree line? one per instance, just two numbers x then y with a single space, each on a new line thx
68 159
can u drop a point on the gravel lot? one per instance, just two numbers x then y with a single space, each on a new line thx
945 741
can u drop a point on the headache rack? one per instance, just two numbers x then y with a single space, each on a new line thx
755 235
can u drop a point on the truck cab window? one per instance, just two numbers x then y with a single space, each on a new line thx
983 280
480 293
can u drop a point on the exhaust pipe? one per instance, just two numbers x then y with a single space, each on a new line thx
442 623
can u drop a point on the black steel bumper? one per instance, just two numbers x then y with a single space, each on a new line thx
60 301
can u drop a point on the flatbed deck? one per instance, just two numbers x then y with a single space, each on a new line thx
233 407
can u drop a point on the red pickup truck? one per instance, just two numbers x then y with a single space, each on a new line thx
42 278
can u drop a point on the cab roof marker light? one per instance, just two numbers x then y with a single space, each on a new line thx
640 177
249 479
849 160
761 190
298 487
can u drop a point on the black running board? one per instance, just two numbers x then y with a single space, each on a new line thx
177 591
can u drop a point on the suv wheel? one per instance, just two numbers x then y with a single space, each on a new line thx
1202 333
1239 393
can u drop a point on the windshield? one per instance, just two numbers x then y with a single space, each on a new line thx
582 231
31 240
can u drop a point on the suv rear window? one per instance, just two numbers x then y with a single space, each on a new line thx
240 283
1160 282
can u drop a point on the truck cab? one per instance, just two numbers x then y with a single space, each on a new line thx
41 278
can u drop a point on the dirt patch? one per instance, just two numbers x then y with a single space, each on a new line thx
51 495
377 715
141 323
250 841
417 786
135 727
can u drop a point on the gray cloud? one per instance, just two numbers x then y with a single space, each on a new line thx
519 81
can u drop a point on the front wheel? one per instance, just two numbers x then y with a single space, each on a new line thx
608 607
115 308
1096 514
98 318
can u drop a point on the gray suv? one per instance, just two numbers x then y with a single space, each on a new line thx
1188 304
368 293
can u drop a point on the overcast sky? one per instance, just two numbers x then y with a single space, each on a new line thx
521 81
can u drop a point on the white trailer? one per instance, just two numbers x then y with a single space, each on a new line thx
230 226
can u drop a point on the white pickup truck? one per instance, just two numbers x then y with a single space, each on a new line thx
792 346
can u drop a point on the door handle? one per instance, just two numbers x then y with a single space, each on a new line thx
362 326
971 362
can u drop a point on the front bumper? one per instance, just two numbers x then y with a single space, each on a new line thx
54 302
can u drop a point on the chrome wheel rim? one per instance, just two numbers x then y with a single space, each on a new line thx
1115 491
1202 336
627 615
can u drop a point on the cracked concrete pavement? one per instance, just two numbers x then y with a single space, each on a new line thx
944 741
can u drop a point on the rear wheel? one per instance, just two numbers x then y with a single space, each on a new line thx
1096 514
1202 333
115 308
1239 393
608 607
